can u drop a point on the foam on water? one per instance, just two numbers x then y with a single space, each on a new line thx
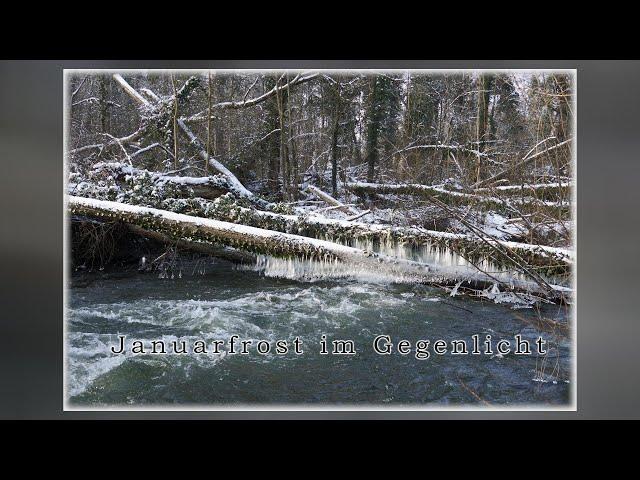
285 312
225 302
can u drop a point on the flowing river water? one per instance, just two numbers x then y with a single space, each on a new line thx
212 300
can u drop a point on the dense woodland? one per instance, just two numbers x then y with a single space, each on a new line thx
483 155
332 127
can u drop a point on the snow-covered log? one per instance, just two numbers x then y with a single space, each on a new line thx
210 187
325 197
539 190
551 260
233 180
425 191
452 197
187 228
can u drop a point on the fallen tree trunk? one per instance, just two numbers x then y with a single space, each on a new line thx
227 253
362 188
232 179
175 226
542 191
454 198
205 187
325 197
237 185
549 260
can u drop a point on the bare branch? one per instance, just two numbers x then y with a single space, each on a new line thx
297 80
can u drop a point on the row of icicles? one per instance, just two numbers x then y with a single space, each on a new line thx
440 257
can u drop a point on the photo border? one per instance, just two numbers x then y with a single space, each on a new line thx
293 407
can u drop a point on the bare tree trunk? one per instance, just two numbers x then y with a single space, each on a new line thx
562 90
293 165
206 162
175 126
104 105
334 154
284 158
373 127
484 95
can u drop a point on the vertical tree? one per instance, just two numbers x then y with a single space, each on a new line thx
206 163
482 131
175 122
382 119
561 93
271 144
103 83
335 104
281 98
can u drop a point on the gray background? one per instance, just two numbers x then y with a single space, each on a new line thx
31 239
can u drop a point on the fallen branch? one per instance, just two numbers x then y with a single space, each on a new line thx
355 217
210 187
454 148
331 201
233 180
519 164
115 141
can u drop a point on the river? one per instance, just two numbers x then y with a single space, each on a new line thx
212 300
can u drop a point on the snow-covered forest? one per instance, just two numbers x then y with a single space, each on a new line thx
457 179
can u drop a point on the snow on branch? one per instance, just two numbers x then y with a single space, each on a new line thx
297 80
233 180
519 164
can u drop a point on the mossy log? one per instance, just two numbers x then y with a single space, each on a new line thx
494 201
210 187
546 260
190 229
425 191
540 191
219 251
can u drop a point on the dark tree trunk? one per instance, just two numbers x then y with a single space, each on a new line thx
562 121
482 130
373 130
104 104
334 159
272 142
